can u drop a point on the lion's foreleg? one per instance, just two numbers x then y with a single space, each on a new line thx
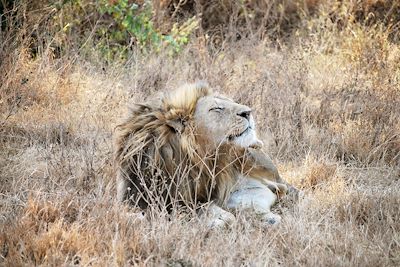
263 169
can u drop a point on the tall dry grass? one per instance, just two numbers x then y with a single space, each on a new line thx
326 98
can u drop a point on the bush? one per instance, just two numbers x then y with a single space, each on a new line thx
133 25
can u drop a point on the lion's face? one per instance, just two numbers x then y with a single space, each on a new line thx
220 120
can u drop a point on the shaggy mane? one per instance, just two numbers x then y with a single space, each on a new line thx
157 150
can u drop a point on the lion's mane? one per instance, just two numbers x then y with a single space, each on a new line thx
161 159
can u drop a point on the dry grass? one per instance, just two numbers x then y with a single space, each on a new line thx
327 106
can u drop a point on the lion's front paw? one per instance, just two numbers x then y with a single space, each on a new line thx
218 218
217 223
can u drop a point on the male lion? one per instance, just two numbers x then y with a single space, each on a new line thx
192 146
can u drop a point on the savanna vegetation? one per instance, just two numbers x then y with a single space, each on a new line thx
323 78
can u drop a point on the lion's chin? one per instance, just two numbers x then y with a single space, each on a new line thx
248 139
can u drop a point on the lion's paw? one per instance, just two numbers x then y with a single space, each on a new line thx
219 218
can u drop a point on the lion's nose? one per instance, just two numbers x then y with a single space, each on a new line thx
245 114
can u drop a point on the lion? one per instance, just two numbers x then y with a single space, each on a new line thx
192 147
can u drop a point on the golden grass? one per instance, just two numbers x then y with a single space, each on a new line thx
327 106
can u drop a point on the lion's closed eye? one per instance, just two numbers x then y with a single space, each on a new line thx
217 109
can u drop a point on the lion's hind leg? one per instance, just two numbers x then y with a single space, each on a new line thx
255 196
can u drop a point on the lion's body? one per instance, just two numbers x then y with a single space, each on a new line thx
169 153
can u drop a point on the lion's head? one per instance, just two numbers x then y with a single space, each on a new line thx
221 121
185 146
217 119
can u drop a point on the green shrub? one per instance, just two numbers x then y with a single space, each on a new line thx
131 24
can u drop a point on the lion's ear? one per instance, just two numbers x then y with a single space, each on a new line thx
176 125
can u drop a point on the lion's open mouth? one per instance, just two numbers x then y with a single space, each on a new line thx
233 136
